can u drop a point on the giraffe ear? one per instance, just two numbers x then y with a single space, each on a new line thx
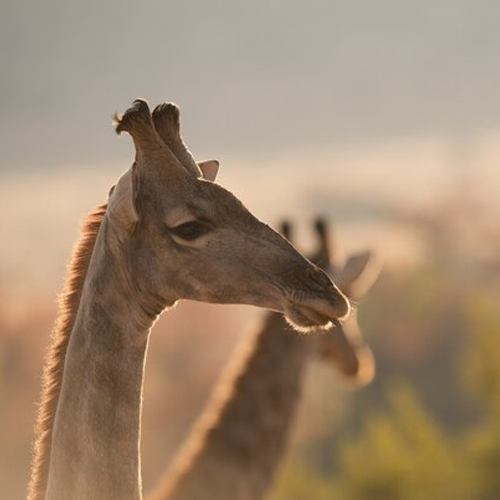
209 169
121 209
359 273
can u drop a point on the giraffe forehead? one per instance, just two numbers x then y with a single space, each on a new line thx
191 200
215 200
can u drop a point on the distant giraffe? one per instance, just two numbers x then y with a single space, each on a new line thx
166 233
236 445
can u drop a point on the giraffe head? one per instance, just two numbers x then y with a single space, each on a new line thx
343 345
186 237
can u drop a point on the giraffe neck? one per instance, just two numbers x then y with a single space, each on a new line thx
96 433
235 447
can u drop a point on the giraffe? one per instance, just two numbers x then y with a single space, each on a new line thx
167 232
234 448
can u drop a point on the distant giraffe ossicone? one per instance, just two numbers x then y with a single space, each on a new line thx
235 447
167 232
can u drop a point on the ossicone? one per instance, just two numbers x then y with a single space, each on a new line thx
286 229
138 122
324 254
167 114
136 115
166 119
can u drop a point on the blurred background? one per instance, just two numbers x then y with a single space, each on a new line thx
382 116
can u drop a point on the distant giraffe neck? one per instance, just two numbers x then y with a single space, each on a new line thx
96 429
235 447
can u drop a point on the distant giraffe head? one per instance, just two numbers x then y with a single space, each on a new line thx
185 237
343 346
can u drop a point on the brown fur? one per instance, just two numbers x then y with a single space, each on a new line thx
54 361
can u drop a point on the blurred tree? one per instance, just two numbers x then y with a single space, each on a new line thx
399 455
481 358
402 455
481 444
298 481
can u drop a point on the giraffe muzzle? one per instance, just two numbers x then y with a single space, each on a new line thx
317 310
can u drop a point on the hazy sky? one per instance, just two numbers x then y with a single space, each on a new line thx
252 77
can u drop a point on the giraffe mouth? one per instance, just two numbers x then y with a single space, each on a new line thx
309 314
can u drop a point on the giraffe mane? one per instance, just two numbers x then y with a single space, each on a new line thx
53 370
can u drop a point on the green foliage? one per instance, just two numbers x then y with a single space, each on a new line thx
300 482
481 447
482 373
401 455
482 356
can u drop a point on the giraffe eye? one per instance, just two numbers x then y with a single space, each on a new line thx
189 231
